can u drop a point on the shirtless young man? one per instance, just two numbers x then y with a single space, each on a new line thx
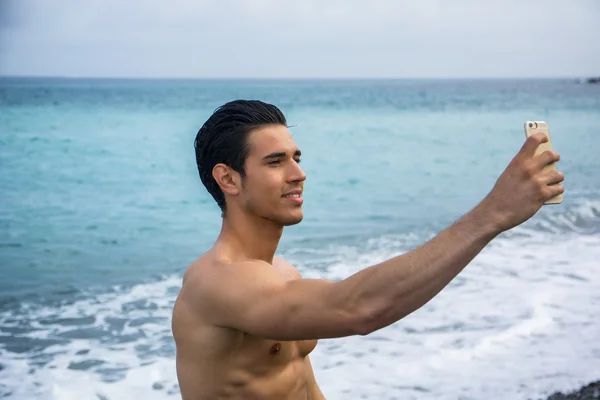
245 321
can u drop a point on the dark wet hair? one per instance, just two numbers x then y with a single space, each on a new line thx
224 139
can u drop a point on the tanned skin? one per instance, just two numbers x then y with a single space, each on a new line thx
245 321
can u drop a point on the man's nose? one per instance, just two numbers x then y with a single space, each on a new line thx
296 173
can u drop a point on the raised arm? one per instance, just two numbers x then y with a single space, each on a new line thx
252 297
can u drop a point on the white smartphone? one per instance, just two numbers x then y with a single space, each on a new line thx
533 127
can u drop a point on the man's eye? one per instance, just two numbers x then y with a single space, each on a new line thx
298 160
274 162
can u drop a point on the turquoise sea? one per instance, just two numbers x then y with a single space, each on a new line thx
101 210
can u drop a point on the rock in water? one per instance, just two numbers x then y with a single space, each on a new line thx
589 392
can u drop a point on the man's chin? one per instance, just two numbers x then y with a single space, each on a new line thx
289 220
295 221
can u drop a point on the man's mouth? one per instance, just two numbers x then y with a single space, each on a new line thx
294 195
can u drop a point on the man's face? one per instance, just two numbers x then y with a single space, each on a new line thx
274 180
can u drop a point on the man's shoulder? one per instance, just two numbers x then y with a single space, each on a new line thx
209 275
199 298
211 285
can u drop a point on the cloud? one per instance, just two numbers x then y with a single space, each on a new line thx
284 38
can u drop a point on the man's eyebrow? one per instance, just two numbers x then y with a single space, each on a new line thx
278 154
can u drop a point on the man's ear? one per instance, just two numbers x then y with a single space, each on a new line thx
228 180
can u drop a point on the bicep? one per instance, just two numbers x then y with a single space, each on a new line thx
255 299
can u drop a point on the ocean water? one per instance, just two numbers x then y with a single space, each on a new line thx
101 210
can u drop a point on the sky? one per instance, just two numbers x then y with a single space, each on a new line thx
300 38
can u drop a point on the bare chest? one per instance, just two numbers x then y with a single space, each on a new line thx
276 351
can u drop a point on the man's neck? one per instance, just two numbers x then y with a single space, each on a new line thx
251 237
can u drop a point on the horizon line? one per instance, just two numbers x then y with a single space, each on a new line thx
232 78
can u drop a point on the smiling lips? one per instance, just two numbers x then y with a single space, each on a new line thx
295 196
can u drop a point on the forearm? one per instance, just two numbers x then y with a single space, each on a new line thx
384 293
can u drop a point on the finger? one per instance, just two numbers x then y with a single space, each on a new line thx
552 177
532 143
554 190
547 157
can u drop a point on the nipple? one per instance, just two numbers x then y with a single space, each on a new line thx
275 348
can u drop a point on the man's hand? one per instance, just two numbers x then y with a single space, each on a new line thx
524 186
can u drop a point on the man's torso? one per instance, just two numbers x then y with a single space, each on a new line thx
223 363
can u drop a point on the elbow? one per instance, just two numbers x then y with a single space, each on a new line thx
367 320
359 314
363 330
